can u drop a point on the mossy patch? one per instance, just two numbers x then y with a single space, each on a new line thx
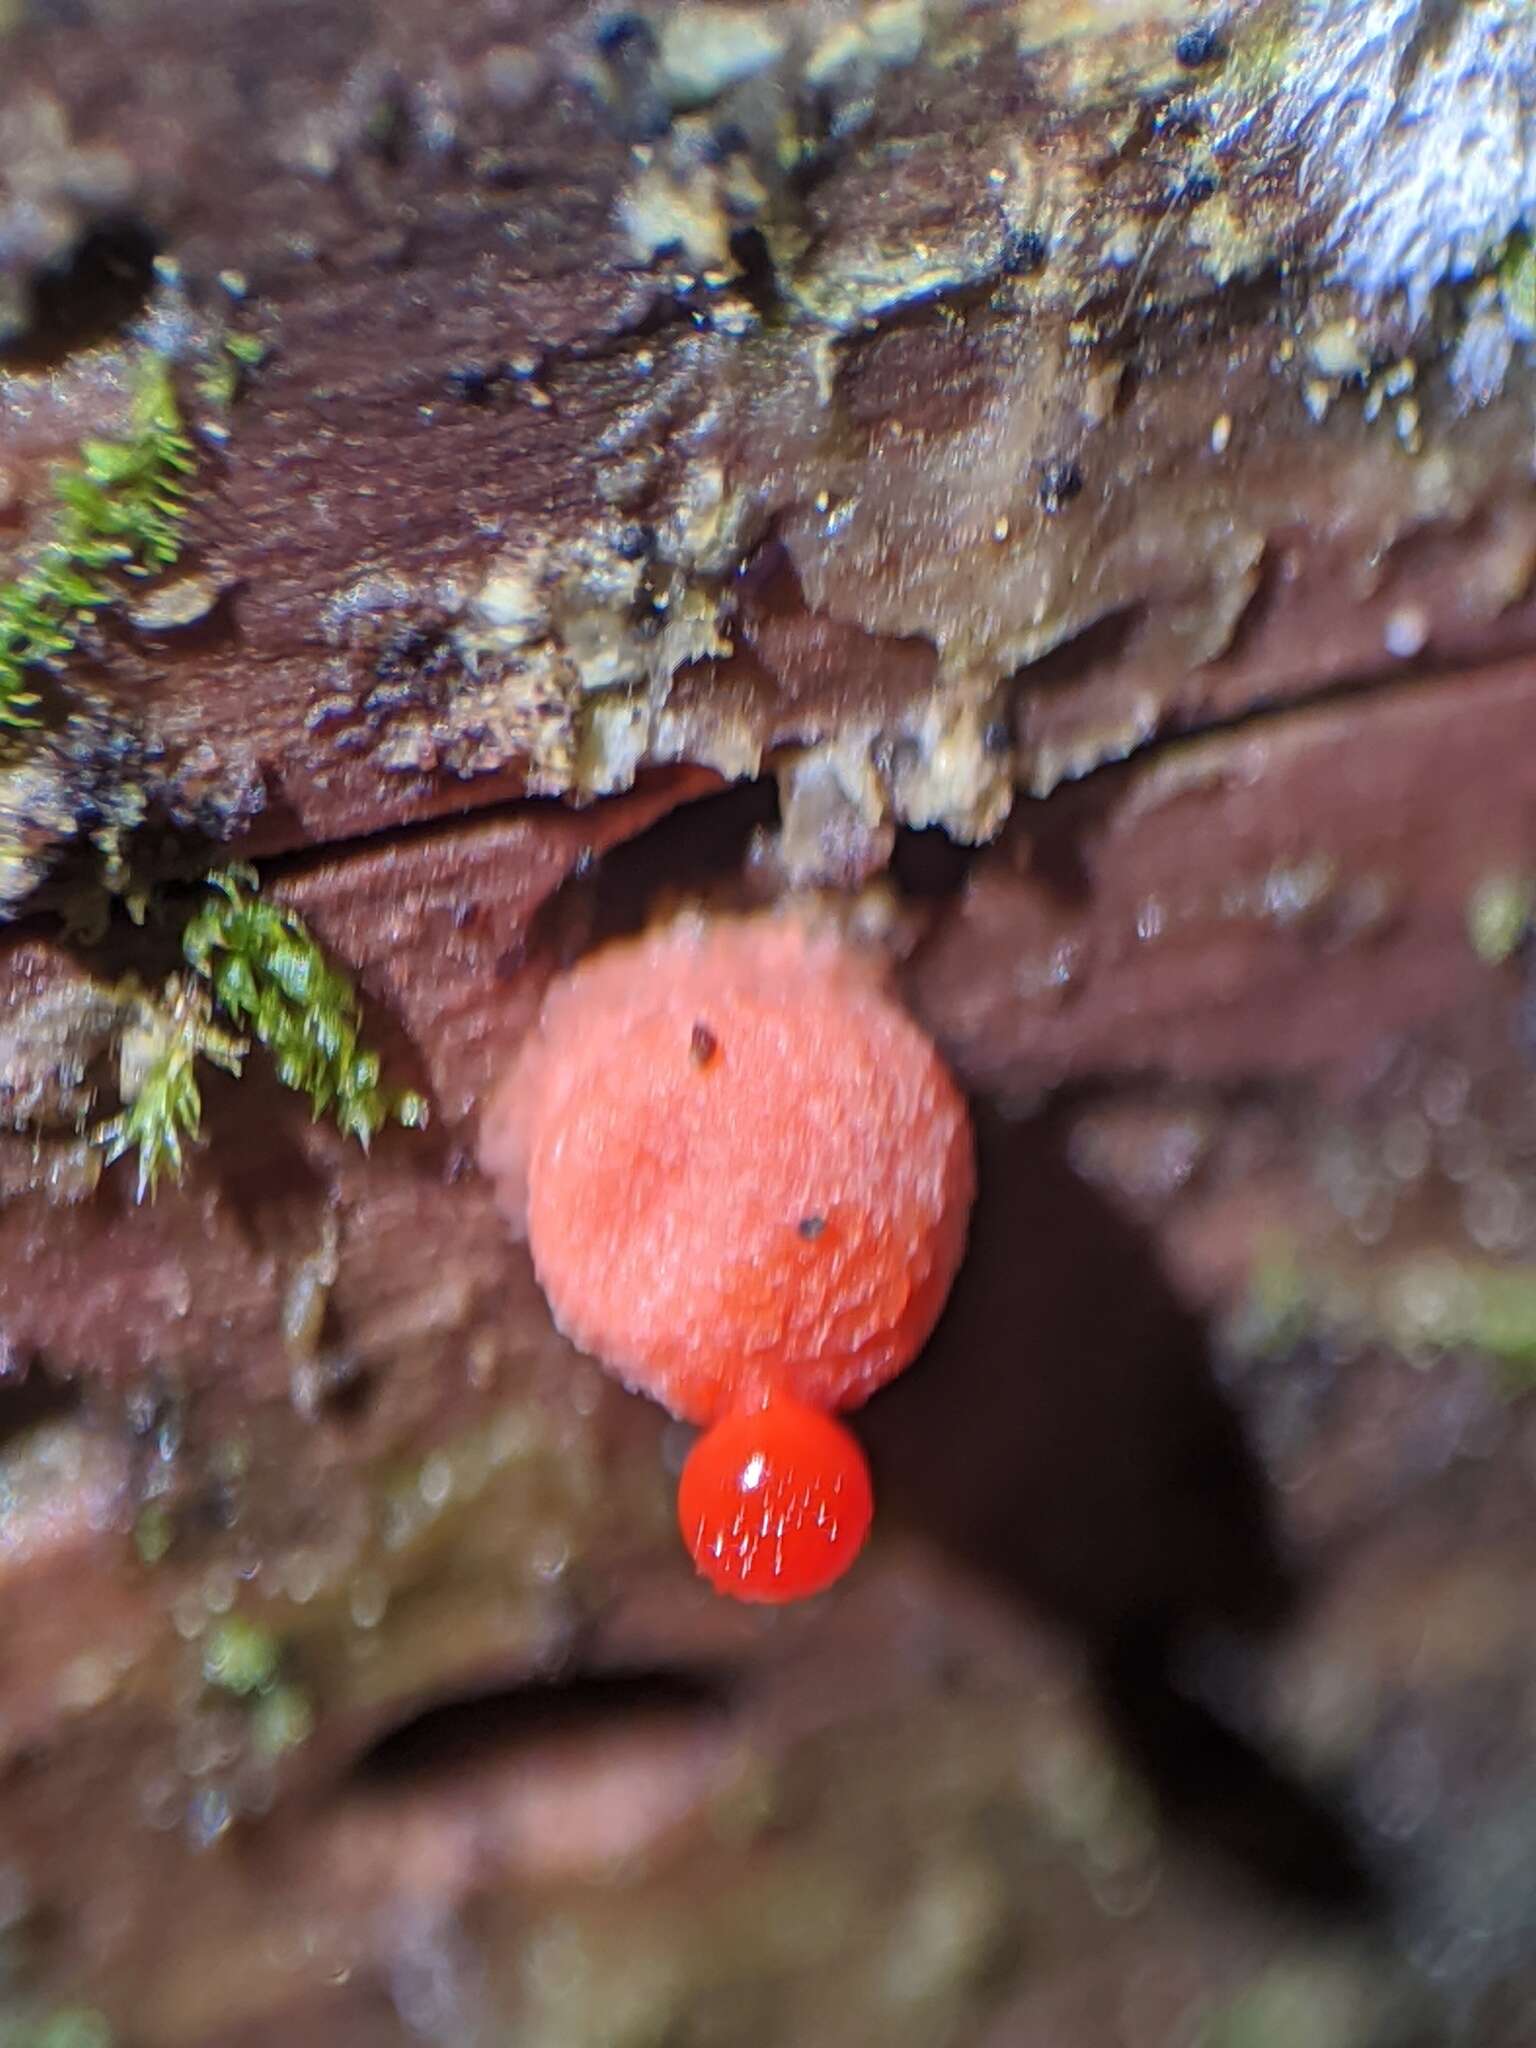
74 2026
1517 284
118 510
1423 1307
263 970
1499 916
162 1102
239 1657
245 1660
270 977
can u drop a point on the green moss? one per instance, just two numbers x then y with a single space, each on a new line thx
245 1660
1422 1308
1323 2002
118 509
223 376
248 350
1277 1311
230 1460
282 1719
1517 284
163 1105
240 1658
218 383
263 968
152 1533
1500 1321
67 2027
270 977
1499 916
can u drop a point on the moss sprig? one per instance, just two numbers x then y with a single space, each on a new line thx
229 367
119 509
264 970
270 977
1516 272
162 1109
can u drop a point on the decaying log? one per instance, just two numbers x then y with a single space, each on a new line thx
1072 465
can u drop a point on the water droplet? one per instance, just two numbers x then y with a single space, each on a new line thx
369 1600
1401 1788
435 1481
549 1556
205 1743
1405 1149
302 1577
1373 1220
1446 1088
510 1436
189 1617
1494 1212
159 1800
219 1589
208 1816
1406 632
1465 1151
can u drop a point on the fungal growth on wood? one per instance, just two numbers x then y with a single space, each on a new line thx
756 1239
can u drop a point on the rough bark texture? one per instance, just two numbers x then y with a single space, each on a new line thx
1073 464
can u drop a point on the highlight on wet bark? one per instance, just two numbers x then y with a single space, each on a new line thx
119 508
270 977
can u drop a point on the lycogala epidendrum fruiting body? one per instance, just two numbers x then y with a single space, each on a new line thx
744 1175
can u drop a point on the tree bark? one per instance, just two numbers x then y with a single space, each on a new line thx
1059 475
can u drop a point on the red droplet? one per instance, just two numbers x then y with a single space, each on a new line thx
775 1503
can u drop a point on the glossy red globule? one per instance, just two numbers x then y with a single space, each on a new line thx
775 1503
